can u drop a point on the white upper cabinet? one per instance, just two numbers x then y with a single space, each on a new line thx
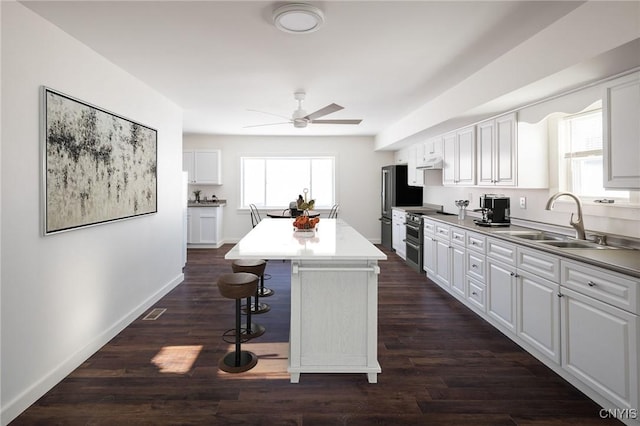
497 151
459 157
621 128
512 154
415 176
203 166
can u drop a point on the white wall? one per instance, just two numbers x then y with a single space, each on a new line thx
357 175
66 295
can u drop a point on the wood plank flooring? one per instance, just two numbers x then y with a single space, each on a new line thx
441 365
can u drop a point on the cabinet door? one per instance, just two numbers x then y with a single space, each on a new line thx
501 294
539 314
442 273
466 145
600 347
449 162
621 144
188 165
485 153
505 145
415 177
458 269
207 167
208 227
429 256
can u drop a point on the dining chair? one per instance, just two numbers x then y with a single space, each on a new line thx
255 215
333 214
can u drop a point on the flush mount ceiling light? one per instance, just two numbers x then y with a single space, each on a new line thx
298 18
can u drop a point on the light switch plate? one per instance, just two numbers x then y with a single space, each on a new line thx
523 202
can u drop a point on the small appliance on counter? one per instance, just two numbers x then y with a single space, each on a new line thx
496 210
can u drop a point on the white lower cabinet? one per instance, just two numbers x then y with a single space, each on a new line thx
501 294
399 232
442 273
458 271
476 294
538 311
579 319
600 347
204 226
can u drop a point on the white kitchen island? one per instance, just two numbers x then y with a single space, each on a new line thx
334 294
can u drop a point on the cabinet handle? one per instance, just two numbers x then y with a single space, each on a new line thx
560 294
591 284
473 243
512 274
474 266
474 293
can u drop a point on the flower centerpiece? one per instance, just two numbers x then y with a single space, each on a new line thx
304 223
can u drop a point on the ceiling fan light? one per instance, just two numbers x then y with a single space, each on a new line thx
298 18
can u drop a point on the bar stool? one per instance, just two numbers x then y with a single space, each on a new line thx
238 286
257 267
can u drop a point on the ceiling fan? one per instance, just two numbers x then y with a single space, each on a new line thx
301 119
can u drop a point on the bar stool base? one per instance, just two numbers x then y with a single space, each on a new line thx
257 330
260 308
265 292
248 360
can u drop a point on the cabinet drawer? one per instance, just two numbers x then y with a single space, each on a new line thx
542 264
476 294
606 286
442 231
476 242
502 251
458 236
476 266
429 227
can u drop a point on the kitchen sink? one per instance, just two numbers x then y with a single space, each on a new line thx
576 244
534 235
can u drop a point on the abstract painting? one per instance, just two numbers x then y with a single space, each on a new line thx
98 167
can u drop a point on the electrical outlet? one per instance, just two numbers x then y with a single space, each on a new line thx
523 202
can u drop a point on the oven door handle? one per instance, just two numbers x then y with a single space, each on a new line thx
413 228
410 244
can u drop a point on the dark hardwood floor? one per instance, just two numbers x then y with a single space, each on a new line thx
441 365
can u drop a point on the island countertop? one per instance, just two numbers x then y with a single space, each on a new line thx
333 239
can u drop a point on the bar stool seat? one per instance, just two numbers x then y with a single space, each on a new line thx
238 286
257 267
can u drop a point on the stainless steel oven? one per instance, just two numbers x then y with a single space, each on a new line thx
414 240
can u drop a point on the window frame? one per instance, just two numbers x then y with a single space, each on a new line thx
266 158
566 154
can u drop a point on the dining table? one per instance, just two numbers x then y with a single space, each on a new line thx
334 293
286 213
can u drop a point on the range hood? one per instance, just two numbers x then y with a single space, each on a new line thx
432 163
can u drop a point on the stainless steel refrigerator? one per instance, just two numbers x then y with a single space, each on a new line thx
396 192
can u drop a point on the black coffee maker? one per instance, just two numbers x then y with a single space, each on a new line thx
496 210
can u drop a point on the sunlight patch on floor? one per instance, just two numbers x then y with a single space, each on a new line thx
273 360
176 359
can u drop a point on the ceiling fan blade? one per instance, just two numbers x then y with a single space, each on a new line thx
268 124
270 113
347 121
324 111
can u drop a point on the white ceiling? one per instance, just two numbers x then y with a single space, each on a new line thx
381 60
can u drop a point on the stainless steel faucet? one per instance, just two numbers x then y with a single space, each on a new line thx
578 224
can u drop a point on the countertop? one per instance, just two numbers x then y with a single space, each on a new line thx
625 261
333 239
217 203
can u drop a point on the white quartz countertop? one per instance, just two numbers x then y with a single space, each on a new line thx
333 239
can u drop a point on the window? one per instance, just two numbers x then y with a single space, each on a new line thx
273 182
581 170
